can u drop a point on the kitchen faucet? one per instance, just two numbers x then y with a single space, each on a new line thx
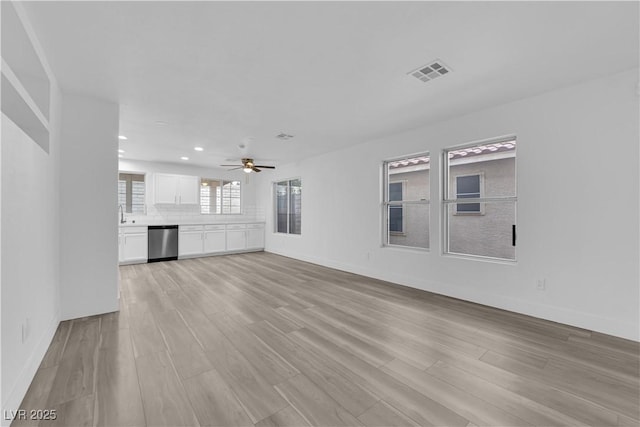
122 220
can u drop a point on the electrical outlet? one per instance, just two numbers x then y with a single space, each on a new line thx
541 284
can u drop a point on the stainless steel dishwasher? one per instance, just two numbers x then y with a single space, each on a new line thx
163 242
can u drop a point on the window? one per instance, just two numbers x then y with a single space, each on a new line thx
288 204
395 211
131 190
406 202
219 197
468 187
480 200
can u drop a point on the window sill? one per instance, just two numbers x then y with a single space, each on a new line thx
480 258
405 248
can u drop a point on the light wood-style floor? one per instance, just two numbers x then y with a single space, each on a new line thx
259 339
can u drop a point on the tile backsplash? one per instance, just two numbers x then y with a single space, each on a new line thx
184 214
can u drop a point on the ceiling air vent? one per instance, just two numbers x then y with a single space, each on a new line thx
284 136
431 71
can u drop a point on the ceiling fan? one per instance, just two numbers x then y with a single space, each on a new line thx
248 165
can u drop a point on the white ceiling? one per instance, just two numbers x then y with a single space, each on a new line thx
330 73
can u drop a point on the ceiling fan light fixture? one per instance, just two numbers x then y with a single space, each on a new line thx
248 165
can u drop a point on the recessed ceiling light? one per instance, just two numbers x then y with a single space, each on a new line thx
122 137
121 151
120 156
198 148
184 158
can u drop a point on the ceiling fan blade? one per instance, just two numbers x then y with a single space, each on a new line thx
255 169
234 168
230 166
265 167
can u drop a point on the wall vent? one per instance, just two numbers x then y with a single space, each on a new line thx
431 71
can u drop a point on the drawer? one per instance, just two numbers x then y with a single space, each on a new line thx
134 230
191 228
236 226
218 227
255 226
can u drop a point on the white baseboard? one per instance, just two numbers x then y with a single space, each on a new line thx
209 254
12 401
562 315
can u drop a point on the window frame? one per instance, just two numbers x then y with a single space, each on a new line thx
274 186
446 201
219 200
129 192
386 203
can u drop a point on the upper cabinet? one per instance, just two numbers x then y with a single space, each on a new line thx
25 83
166 189
188 187
175 189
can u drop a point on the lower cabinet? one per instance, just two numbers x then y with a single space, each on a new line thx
190 240
215 239
193 240
236 237
133 245
255 236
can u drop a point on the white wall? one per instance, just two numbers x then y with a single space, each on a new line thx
30 243
30 248
89 204
187 213
578 222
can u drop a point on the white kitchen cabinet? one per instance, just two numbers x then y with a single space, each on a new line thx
176 189
193 240
236 237
188 190
255 236
215 238
166 188
190 240
133 245
120 245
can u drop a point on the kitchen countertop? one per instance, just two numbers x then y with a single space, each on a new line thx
212 222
